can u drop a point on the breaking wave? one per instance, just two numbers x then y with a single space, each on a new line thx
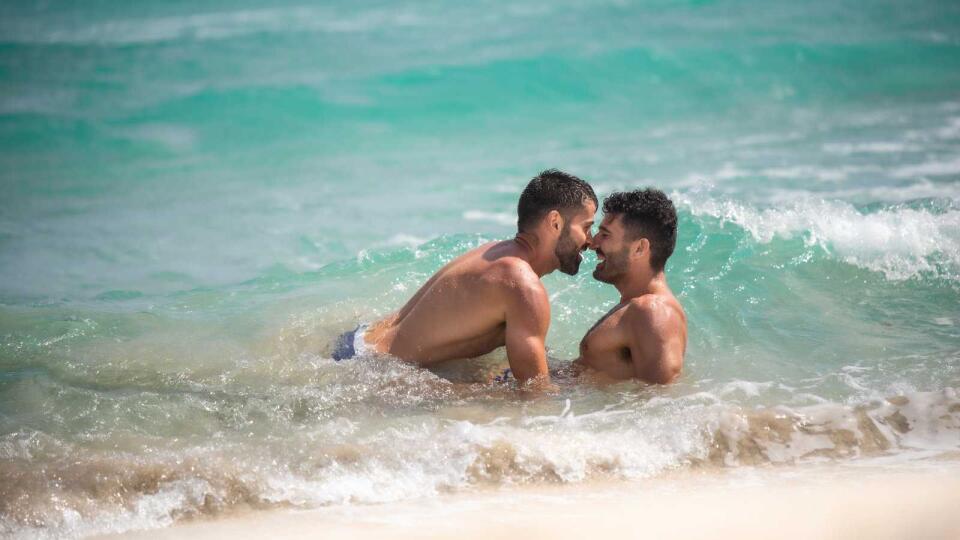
52 488
900 241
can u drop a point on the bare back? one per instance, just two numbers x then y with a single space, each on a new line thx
465 309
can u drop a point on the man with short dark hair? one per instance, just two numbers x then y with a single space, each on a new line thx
645 335
492 295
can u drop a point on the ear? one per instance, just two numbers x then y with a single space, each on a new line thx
641 247
555 221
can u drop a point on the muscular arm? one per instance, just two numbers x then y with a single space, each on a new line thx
527 320
655 341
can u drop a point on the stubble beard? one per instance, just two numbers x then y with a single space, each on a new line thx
612 267
568 253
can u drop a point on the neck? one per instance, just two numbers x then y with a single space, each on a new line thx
531 249
640 283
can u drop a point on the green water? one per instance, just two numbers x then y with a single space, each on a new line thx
197 198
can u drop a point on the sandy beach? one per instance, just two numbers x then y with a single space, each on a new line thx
203 201
851 504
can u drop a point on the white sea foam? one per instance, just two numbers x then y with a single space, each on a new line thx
810 172
951 130
922 189
405 453
425 456
929 168
730 171
948 132
877 147
727 171
209 26
899 242
921 420
403 240
151 511
507 188
763 139
501 218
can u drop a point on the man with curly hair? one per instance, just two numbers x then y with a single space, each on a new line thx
645 335
492 295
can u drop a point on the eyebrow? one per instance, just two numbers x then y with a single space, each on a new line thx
604 229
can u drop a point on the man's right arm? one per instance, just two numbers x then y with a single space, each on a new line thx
655 344
527 319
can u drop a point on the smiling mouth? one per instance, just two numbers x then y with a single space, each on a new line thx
600 259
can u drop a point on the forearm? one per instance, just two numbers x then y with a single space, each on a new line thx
528 360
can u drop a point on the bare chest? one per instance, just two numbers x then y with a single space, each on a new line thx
605 338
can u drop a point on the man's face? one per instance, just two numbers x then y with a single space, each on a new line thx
575 238
613 251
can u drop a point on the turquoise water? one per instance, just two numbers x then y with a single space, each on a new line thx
198 198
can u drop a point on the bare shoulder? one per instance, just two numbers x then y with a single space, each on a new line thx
518 284
658 313
657 332
515 273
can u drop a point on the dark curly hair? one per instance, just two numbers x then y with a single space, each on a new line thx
647 213
552 190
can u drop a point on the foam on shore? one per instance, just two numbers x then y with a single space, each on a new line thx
850 504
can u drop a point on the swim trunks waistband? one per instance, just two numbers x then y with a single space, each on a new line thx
351 344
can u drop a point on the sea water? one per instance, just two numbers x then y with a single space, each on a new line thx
198 197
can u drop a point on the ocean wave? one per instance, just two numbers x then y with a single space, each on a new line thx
500 218
951 130
899 241
100 490
877 147
208 26
922 189
928 168
922 420
403 240
823 174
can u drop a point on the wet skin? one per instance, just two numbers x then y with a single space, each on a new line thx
645 335
489 297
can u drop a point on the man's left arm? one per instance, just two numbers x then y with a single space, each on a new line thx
527 319
655 341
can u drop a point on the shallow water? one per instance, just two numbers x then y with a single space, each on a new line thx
198 199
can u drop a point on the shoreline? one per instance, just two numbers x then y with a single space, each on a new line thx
856 502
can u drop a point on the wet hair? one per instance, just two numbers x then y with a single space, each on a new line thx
647 213
552 190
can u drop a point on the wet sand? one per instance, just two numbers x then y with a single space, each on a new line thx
851 504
